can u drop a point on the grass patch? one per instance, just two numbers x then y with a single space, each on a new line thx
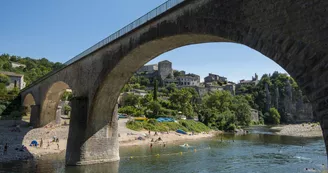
186 125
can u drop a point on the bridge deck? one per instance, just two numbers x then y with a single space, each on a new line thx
128 28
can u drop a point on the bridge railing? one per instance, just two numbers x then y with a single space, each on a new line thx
145 18
133 25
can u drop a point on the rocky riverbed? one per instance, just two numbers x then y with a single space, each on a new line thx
300 130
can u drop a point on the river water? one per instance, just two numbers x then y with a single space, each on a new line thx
259 151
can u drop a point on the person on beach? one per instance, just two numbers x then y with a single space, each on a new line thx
41 143
57 146
5 149
151 146
149 132
48 146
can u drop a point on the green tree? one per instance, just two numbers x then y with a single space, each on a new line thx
67 96
273 117
220 101
242 110
133 80
4 79
67 109
3 89
155 90
144 81
132 100
176 73
181 100
130 110
171 87
146 100
154 107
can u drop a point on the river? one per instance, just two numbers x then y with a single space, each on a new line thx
259 151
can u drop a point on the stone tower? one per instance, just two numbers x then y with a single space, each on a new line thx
165 69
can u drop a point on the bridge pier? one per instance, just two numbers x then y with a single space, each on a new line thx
324 128
35 116
101 147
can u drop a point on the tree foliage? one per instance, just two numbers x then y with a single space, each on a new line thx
35 68
4 79
273 117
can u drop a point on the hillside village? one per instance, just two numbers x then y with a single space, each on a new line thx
164 72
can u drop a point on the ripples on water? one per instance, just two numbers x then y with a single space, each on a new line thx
252 153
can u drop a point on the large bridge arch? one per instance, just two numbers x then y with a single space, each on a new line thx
209 23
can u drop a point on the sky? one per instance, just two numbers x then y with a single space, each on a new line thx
61 29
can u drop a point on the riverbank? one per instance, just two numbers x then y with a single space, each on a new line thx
299 130
127 137
165 138
26 135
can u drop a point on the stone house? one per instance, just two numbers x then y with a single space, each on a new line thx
148 69
16 80
16 65
170 81
189 80
214 78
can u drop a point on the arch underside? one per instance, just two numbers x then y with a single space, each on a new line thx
28 102
50 104
109 91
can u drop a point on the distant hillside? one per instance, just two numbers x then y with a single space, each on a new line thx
35 68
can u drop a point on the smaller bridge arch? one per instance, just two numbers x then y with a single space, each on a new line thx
28 102
50 103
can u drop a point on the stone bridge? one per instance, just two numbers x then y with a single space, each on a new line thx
293 33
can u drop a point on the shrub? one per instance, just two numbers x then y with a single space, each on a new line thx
67 109
134 125
186 125
231 127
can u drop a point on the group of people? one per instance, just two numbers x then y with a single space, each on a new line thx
54 139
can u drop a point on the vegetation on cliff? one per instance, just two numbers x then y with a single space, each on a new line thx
10 104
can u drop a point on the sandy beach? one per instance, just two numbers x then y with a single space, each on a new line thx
127 137
300 130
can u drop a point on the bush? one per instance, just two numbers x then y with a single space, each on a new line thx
134 125
67 109
231 127
192 125
273 117
130 110
153 125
